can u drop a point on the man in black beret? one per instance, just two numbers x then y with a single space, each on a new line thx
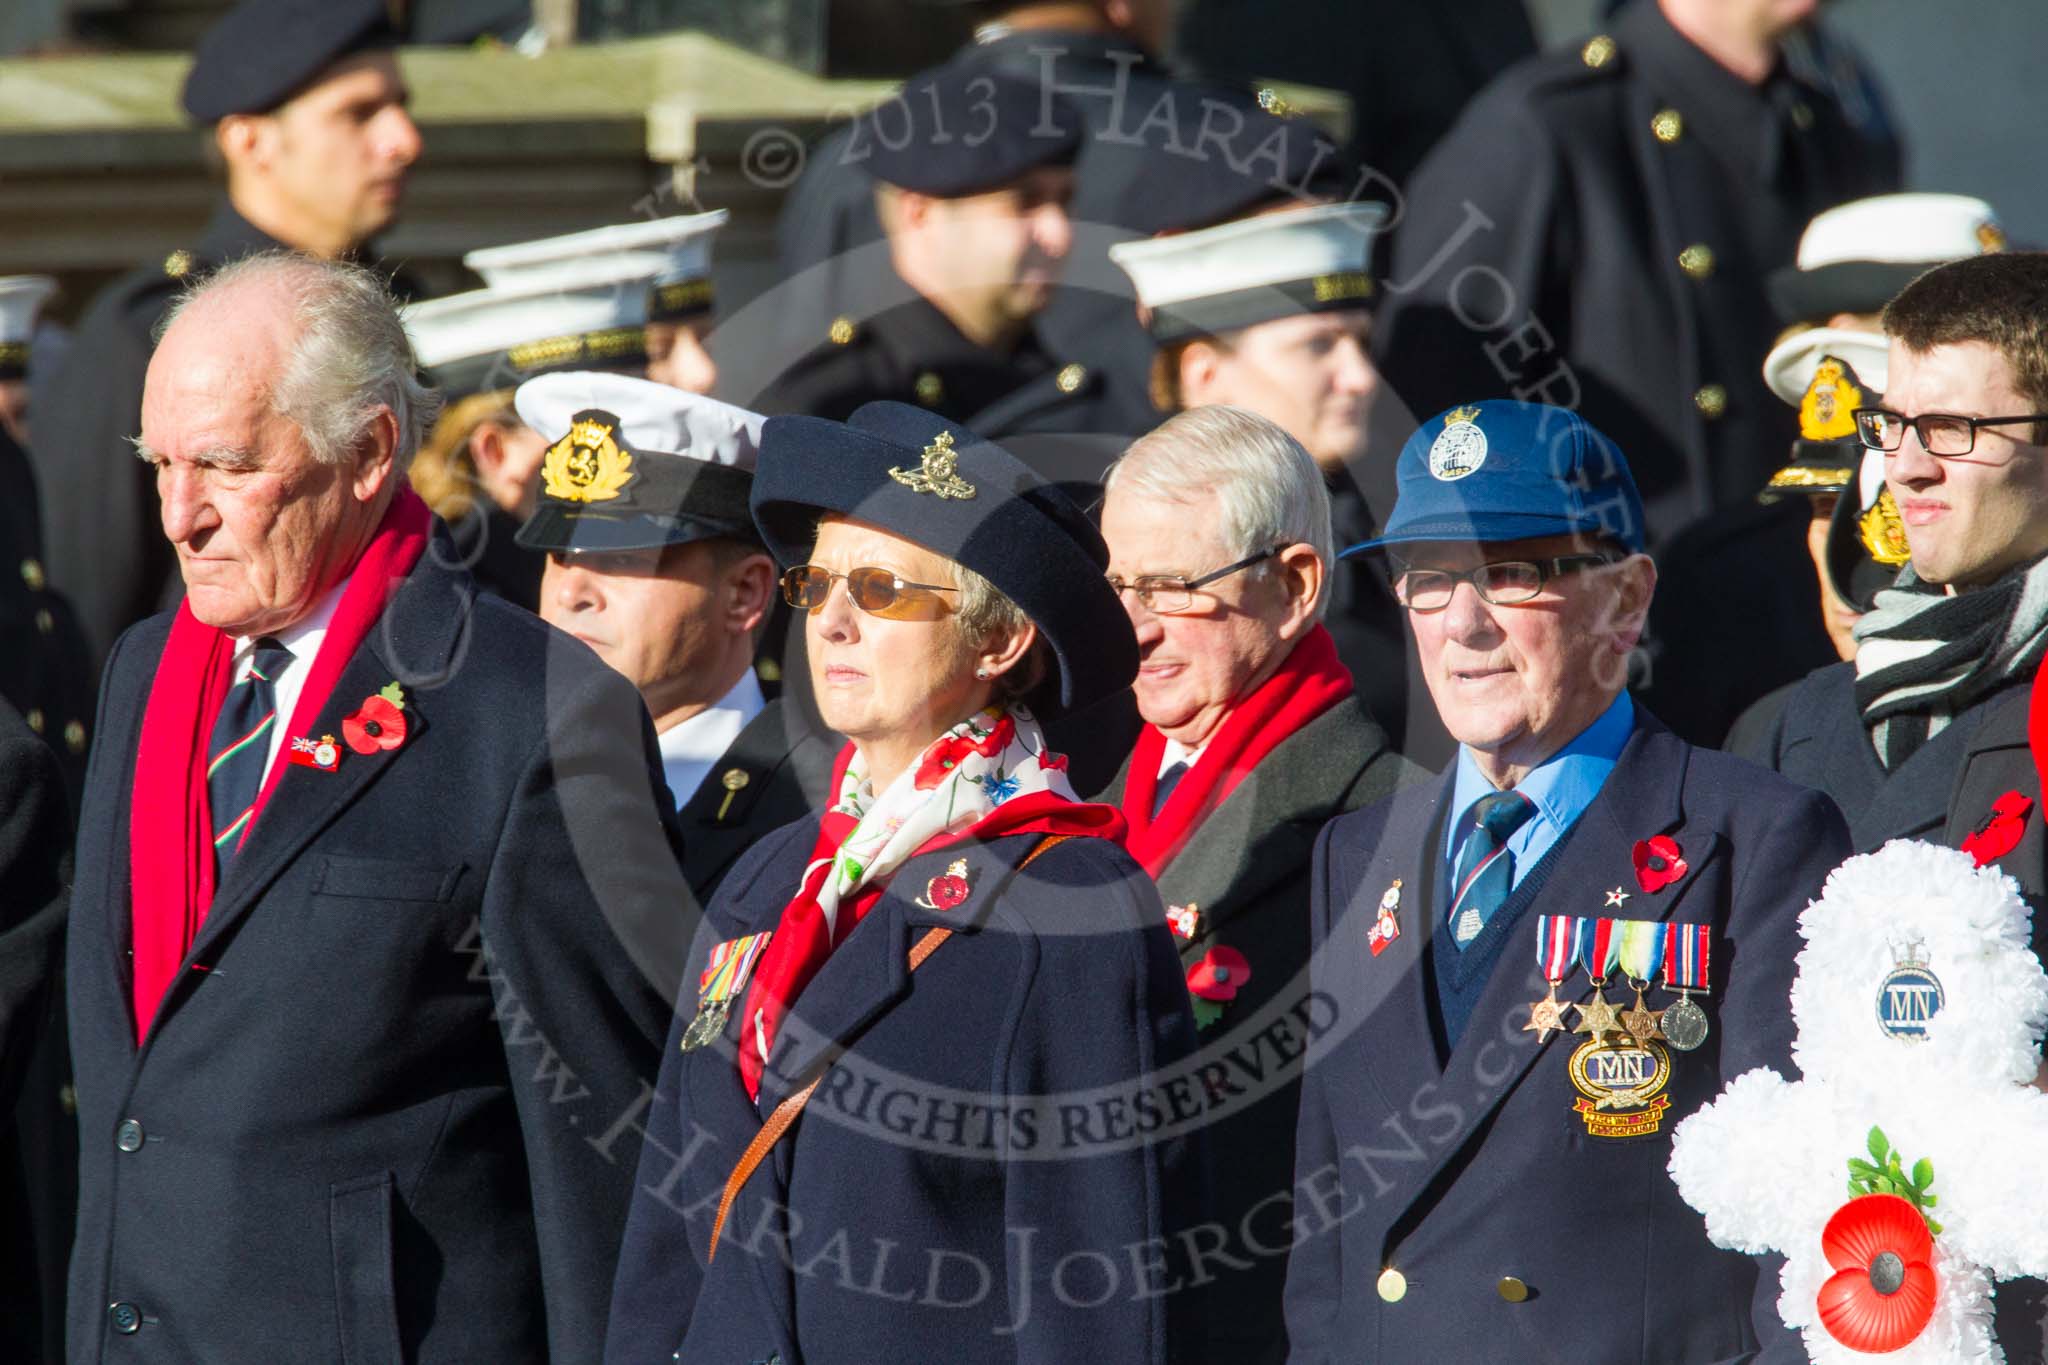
972 175
305 113
663 574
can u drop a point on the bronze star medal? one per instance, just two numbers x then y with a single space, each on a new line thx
1597 1017
1546 1016
1640 1020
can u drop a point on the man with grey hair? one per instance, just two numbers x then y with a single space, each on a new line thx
356 1032
1218 524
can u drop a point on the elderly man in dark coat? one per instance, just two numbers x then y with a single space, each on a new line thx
368 863
1471 1186
1218 526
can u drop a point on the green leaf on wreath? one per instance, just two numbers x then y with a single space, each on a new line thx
1877 1144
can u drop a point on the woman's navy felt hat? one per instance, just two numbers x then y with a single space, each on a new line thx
938 485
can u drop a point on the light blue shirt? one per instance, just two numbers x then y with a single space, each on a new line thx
1560 787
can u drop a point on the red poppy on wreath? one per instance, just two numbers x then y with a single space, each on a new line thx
947 890
1658 862
2002 829
1882 1293
378 724
941 759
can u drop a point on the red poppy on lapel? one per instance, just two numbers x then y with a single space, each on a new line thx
378 724
2001 830
1220 975
1659 862
947 890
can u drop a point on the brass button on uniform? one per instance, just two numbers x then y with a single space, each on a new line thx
35 719
841 331
1511 1289
1069 378
930 389
178 264
1393 1285
74 736
1802 116
1711 400
1667 125
45 623
1697 260
1598 51
32 574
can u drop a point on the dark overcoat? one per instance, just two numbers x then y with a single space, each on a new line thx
368 1120
1246 870
975 1178
1515 1232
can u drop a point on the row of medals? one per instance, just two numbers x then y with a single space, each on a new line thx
1682 1024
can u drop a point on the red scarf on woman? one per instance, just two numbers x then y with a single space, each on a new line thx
1309 681
802 941
170 847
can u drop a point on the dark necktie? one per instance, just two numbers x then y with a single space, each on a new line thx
1168 780
240 749
1485 869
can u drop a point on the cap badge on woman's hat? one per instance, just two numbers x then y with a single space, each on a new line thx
939 473
1460 448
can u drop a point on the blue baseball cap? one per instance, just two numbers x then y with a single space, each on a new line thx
1500 470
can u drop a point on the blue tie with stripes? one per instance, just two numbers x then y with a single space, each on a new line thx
1485 869
240 750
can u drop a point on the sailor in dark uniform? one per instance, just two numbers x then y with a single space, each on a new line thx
308 113
586 301
663 574
1595 232
973 201
892 1120
1469 1185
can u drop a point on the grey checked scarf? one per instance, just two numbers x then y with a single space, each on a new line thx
1924 657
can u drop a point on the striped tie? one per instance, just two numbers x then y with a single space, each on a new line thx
1486 870
241 748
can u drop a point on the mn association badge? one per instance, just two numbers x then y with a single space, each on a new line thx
1460 448
1621 1087
1909 997
725 976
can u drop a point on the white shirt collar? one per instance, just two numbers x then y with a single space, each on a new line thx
303 639
690 748
1176 752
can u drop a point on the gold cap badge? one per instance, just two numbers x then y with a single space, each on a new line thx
587 465
1825 413
1884 532
938 474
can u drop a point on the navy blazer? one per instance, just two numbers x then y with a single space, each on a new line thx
970 1178
1463 1176
367 1122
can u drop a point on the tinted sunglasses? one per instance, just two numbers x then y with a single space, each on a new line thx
878 592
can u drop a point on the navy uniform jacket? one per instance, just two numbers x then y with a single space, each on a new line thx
1461 1175
366 1124
46 667
35 863
1595 231
1247 869
107 553
918 1210
775 770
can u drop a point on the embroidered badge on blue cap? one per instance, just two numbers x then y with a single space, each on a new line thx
1460 448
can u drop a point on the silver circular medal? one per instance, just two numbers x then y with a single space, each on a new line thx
1683 1024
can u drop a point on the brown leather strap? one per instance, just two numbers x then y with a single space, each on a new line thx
786 1113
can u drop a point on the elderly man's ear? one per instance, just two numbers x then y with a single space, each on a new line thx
1297 574
375 456
1634 581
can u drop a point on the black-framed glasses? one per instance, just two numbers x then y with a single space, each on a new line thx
1942 434
878 592
1166 594
1503 583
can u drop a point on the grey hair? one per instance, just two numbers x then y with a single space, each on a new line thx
1268 489
350 359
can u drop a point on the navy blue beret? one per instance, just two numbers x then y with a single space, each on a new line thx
938 485
266 51
964 129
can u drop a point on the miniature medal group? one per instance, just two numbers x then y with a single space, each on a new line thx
1622 1068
